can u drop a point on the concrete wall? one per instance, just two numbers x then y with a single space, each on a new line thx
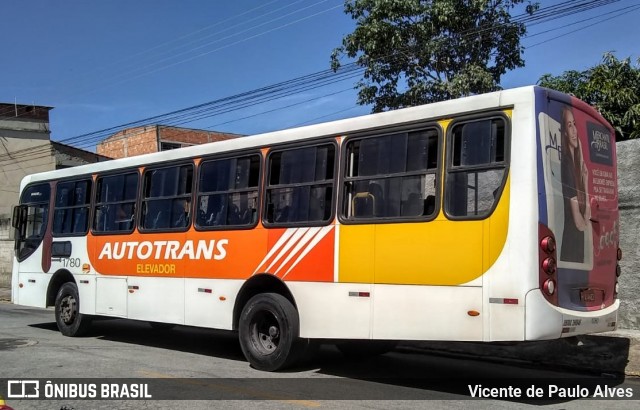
25 149
629 191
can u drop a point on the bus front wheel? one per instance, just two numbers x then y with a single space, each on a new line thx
268 332
68 317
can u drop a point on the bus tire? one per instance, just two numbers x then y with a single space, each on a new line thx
70 321
268 331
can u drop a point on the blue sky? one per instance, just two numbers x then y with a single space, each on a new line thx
105 63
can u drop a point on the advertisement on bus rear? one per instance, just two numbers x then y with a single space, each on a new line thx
580 185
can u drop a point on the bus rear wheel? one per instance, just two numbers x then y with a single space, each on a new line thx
67 311
268 332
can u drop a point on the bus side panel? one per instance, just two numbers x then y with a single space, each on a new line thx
294 254
429 253
515 271
357 253
166 295
427 312
33 291
333 311
210 302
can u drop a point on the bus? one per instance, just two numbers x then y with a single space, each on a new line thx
487 218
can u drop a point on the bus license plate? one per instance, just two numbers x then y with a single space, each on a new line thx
591 296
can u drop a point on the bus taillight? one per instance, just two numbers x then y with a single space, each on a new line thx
619 255
548 244
549 265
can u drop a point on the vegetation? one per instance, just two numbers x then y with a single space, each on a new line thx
421 51
613 87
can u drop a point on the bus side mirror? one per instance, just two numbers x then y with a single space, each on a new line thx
18 221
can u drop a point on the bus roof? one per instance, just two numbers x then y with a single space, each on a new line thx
503 99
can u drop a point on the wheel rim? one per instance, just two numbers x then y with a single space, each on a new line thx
265 333
68 309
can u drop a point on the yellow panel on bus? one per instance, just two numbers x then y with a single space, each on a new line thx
439 252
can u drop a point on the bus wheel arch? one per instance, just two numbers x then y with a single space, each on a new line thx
261 283
59 278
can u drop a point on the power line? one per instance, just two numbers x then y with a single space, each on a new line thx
265 94
137 71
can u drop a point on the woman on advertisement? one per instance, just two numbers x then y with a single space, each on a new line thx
574 177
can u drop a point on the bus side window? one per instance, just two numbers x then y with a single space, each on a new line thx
227 192
71 213
391 176
115 203
477 167
166 199
301 185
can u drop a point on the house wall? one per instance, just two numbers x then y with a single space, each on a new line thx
25 148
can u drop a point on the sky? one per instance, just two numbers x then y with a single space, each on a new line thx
102 64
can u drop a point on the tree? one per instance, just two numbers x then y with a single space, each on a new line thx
422 51
613 87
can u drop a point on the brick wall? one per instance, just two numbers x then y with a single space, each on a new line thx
144 140
192 137
130 142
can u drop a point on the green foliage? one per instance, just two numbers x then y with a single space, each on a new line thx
421 51
613 87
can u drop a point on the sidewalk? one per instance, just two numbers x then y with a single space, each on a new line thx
614 353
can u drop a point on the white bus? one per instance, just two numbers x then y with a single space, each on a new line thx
487 218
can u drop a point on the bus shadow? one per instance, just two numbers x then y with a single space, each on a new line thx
413 371
421 373
206 342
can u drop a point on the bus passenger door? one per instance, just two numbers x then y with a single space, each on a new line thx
30 220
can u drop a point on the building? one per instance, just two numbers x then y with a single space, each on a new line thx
155 138
26 148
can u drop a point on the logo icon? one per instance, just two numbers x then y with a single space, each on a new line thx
23 389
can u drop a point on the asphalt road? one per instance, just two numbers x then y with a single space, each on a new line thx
202 364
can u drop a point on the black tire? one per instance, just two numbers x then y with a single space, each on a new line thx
268 332
360 349
70 321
